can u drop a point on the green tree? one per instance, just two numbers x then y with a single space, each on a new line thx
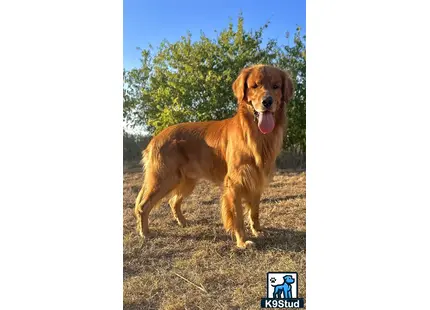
294 58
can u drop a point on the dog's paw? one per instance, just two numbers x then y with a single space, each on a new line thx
258 233
145 235
246 244
182 223
250 244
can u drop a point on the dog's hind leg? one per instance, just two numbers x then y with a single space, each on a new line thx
148 198
137 210
162 163
183 190
142 210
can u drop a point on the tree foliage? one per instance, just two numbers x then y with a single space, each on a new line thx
294 59
191 80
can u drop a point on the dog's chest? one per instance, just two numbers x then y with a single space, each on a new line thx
268 150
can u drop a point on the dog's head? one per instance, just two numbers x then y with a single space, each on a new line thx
267 89
288 279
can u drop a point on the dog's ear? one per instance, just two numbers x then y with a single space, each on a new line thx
287 87
240 86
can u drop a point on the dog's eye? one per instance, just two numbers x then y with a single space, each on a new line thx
254 86
275 86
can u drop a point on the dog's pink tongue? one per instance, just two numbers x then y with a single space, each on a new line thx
266 123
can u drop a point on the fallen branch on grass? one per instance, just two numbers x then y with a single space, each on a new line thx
200 287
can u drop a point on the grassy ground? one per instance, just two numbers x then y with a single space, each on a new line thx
198 267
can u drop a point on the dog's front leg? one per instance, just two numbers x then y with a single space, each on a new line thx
232 213
253 204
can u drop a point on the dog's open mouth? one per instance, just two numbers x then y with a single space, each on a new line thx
266 121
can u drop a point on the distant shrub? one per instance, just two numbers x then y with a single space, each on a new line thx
133 145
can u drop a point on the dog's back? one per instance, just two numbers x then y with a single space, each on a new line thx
188 150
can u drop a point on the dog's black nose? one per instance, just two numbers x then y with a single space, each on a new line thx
267 102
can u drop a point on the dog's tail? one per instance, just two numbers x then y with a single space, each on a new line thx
145 159
145 162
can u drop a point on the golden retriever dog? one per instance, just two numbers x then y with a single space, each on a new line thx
238 153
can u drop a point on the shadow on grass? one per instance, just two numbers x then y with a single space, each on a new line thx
142 305
265 200
283 198
129 271
142 256
210 202
272 239
279 238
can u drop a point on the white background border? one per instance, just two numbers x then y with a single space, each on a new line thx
367 159
61 154
367 154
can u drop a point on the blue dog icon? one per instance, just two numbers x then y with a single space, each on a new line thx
284 288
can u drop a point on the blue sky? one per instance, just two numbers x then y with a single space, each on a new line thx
149 22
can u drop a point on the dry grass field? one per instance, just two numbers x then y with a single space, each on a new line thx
198 267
